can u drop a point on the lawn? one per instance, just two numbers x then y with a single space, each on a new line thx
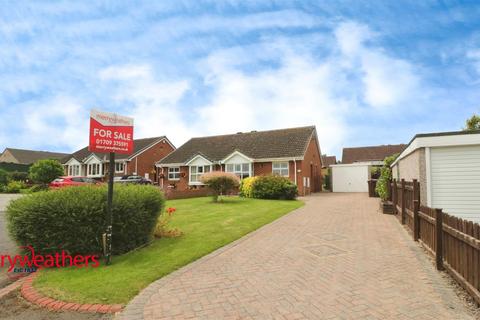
206 225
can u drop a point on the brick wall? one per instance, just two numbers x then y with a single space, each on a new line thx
311 167
145 162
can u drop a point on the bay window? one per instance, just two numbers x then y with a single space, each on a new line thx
196 172
280 168
74 170
242 170
94 169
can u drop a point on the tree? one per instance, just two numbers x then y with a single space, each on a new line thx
220 182
472 123
3 177
45 171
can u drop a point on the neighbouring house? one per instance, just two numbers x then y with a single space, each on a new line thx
327 161
293 153
447 165
356 167
141 162
20 159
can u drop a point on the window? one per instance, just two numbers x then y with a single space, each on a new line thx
119 167
174 173
93 169
242 170
74 170
196 172
280 168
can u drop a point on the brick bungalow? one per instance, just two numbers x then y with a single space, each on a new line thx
141 162
293 153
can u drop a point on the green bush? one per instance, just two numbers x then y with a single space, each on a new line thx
74 219
220 182
385 177
246 187
14 187
38 188
3 177
18 176
274 187
45 171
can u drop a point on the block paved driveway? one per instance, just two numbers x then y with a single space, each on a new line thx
335 258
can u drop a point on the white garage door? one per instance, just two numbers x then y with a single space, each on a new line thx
455 174
350 178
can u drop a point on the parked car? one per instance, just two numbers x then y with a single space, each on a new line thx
71 181
134 180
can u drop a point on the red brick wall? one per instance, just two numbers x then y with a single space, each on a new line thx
311 161
145 162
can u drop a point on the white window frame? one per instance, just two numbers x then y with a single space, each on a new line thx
197 174
280 169
94 173
174 173
117 166
74 170
241 173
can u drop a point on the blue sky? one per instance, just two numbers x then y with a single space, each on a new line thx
363 72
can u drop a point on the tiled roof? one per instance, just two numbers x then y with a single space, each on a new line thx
328 160
31 156
138 145
280 143
373 153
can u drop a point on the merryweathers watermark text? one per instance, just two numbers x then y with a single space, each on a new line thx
32 261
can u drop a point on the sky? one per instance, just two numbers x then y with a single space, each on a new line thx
363 72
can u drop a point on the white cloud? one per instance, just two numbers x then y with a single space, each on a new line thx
155 104
388 81
61 122
474 56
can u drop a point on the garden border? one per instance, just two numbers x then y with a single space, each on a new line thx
33 296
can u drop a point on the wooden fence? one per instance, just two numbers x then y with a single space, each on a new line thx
454 242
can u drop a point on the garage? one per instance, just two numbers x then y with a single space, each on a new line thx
455 176
447 165
351 177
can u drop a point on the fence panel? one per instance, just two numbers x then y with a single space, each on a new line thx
427 229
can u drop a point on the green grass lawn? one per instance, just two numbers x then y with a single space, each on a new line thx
206 225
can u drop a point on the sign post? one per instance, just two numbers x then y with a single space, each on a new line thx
110 133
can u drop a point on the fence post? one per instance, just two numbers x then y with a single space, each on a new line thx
394 196
439 239
402 214
416 208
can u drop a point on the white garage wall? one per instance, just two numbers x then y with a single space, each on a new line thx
350 178
455 180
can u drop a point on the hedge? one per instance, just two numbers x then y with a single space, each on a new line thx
269 187
73 219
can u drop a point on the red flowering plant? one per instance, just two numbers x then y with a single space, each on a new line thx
163 230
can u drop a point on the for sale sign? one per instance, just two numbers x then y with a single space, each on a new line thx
110 132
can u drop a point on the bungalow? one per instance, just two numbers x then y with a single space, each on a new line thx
447 165
142 162
293 153
355 170
28 157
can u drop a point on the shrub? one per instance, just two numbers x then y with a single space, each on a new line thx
3 177
74 219
162 229
274 187
18 176
45 171
385 176
38 187
14 187
246 187
220 182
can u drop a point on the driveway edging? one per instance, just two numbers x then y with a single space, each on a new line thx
37 298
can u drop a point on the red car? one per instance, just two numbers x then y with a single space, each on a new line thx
71 181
